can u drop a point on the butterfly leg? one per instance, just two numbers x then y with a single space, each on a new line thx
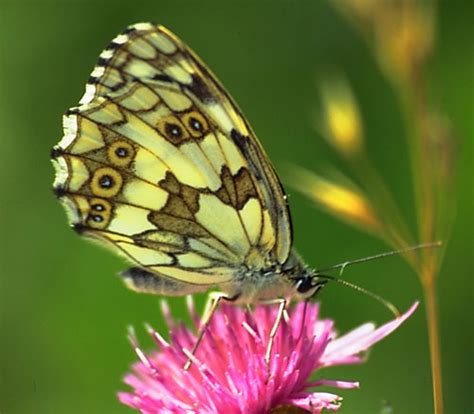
211 306
281 311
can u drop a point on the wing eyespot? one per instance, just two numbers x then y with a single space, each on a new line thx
100 213
121 153
173 130
196 123
100 205
106 182
96 218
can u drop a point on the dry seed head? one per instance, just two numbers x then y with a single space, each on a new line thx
404 35
342 123
343 202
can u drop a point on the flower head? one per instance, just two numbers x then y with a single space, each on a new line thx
229 373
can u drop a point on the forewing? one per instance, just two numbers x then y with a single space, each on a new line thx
158 162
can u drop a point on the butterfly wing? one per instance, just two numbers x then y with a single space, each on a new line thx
159 163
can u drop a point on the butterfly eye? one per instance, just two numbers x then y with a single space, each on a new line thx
305 284
311 284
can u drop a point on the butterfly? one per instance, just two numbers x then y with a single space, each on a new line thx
158 163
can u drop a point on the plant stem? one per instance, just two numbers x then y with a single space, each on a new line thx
417 112
434 344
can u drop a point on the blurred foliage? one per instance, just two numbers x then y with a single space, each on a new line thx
64 314
400 34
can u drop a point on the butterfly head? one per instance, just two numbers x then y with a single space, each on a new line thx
308 284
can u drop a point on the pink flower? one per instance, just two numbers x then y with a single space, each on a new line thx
229 374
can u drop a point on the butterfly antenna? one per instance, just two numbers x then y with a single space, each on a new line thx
389 305
342 266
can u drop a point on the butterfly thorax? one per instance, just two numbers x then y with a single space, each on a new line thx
271 282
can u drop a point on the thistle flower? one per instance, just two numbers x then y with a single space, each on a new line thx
229 373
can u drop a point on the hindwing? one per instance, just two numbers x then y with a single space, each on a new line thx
158 162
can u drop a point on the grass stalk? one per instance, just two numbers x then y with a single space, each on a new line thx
431 309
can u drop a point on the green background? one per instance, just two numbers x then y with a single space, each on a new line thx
64 314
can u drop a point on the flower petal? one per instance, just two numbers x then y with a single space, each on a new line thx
348 385
361 339
317 401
